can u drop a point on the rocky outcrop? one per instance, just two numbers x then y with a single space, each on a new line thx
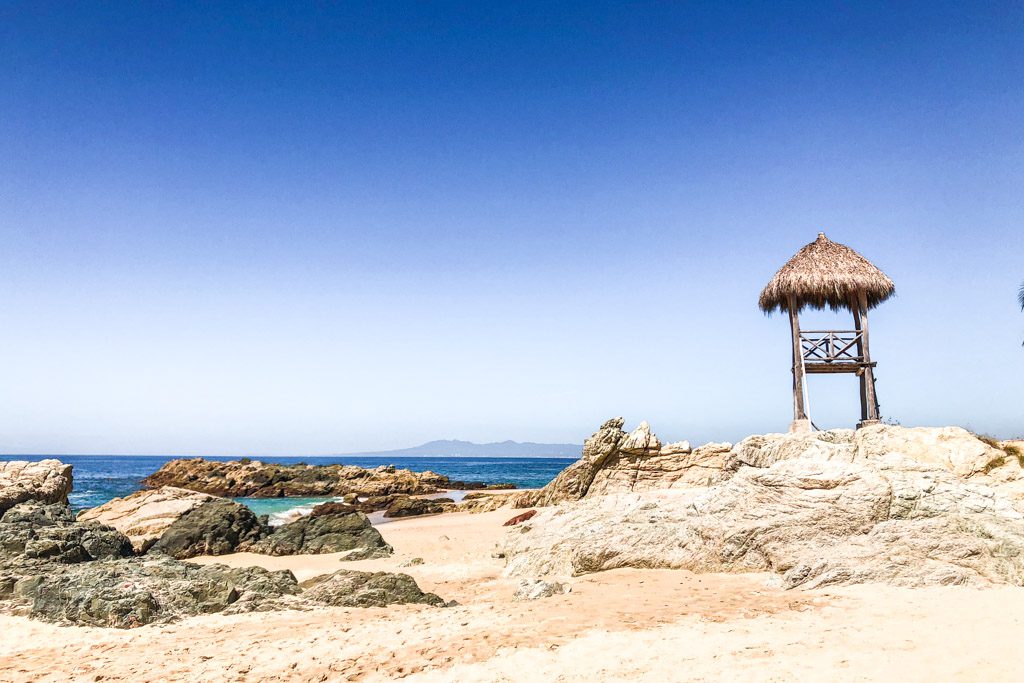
56 568
456 485
345 588
43 481
330 528
36 531
405 506
266 480
137 591
486 503
144 515
889 504
179 522
953 449
573 482
614 461
217 527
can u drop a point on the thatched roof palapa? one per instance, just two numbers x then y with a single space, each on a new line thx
825 273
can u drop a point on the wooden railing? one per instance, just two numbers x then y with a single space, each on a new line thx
831 346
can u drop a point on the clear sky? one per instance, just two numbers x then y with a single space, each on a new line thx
310 228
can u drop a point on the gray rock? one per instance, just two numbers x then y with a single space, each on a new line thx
345 588
132 592
215 527
38 531
55 568
328 529
37 514
413 507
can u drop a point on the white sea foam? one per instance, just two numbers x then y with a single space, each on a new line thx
292 514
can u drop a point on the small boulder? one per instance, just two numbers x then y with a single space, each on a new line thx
534 589
413 507
330 528
519 519
346 588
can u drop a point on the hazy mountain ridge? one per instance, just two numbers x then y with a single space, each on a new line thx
468 449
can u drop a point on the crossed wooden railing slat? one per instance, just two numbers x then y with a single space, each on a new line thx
831 346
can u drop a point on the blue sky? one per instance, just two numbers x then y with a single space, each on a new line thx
312 228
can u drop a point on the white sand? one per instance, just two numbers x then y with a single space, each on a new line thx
621 625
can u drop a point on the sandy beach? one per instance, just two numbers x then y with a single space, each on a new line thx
655 625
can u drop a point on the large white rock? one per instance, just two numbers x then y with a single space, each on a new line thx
145 515
889 504
669 468
813 523
953 448
45 481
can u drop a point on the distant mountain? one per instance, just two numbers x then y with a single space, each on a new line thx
467 449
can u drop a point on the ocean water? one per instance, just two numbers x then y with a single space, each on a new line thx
100 478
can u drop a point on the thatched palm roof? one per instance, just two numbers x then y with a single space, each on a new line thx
825 273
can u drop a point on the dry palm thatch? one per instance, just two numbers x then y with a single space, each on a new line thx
1020 299
825 273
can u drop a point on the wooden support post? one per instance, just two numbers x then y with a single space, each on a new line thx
862 375
869 374
798 366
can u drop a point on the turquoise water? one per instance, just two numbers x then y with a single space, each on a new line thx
281 510
99 478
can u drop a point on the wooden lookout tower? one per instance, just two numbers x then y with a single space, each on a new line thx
822 274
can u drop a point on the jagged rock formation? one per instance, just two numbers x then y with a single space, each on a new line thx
487 503
132 592
217 527
346 588
406 506
266 480
43 481
83 572
901 506
330 528
616 461
179 522
39 531
55 568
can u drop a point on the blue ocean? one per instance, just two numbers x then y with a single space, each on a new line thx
99 478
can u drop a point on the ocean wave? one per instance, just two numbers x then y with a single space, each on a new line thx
291 514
